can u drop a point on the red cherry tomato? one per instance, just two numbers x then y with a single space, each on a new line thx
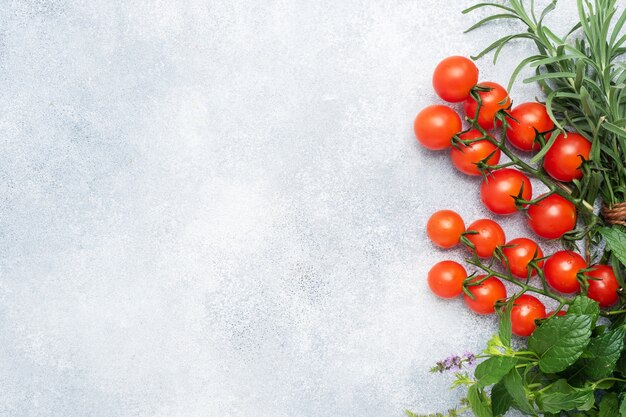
562 162
444 228
493 101
454 77
489 236
551 217
465 158
531 118
558 313
526 309
519 252
435 125
486 294
560 271
499 188
445 279
604 288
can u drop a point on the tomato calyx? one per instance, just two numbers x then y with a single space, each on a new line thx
583 279
481 107
542 139
534 266
475 152
482 237
520 202
529 126
473 280
479 89
468 243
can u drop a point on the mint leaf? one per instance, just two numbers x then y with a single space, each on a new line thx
561 396
478 402
609 405
602 353
515 387
501 400
582 305
621 364
493 369
504 329
559 342
622 407
616 241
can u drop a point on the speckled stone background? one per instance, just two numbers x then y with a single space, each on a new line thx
216 208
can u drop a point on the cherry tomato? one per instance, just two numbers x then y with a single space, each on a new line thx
563 159
551 217
499 189
444 228
604 288
526 309
466 157
560 271
519 252
454 77
531 118
435 125
558 313
493 101
445 279
490 235
486 294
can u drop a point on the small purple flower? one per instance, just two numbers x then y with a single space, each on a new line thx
454 362
450 361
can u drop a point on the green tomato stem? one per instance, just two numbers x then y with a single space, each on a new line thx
525 287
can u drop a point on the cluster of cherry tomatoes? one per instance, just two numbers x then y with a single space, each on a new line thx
503 191
523 258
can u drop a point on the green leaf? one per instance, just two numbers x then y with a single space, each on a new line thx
583 305
480 5
477 401
501 42
519 67
489 19
616 241
609 405
515 387
602 354
547 10
580 74
549 76
559 342
586 103
614 129
621 363
504 329
622 407
501 400
544 150
561 396
558 58
618 27
493 370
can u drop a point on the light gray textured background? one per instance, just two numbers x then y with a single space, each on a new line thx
217 208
